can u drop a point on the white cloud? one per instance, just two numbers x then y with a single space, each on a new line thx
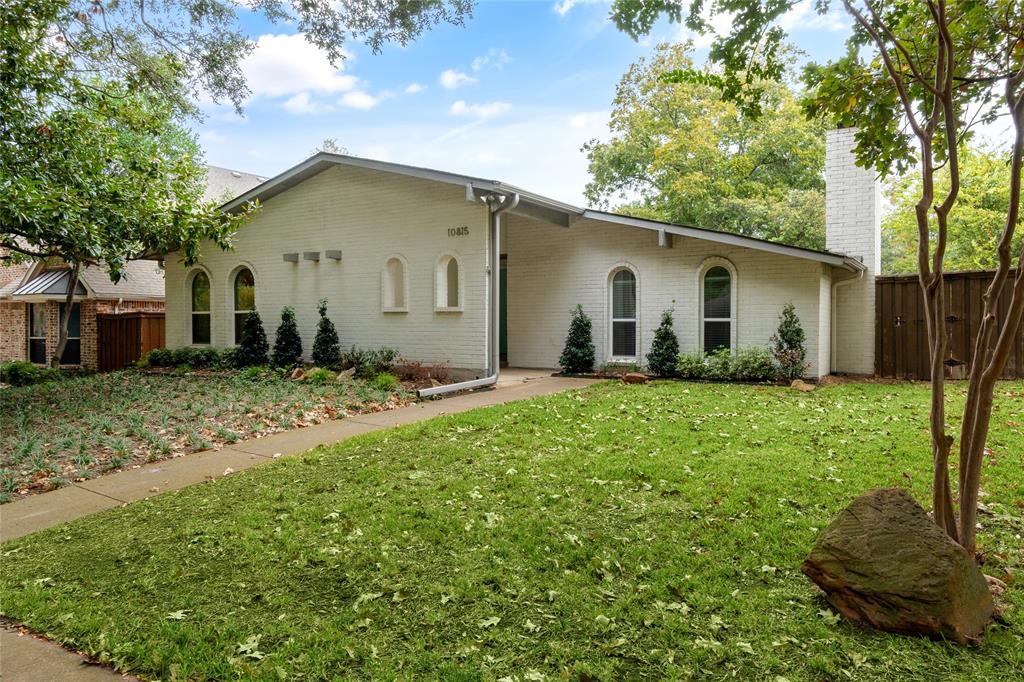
494 57
288 65
588 120
803 17
302 103
481 111
212 136
721 24
451 79
357 99
562 7
414 89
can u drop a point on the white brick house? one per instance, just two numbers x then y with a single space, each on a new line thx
404 256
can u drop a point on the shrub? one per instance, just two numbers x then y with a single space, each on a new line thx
326 351
195 358
24 373
788 345
719 365
318 376
368 363
160 357
578 355
753 364
414 370
287 343
385 381
255 373
664 349
253 347
691 366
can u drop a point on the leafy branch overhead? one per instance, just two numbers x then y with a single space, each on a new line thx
202 42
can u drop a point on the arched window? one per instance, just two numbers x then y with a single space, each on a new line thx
394 292
717 311
623 301
447 294
200 308
245 299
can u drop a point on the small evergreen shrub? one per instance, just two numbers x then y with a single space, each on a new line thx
256 373
578 354
385 381
368 363
318 376
753 364
691 366
24 373
192 358
326 351
159 357
287 342
788 345
253 347
719 365
664 354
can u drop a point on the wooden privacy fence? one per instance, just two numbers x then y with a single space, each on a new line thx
901 336
123 339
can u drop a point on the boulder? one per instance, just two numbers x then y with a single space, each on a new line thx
801 385
345 375
297 374
634 378
883 563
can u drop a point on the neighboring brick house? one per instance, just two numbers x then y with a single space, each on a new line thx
32 295
469 271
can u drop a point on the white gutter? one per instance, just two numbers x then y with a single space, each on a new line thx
832 321
496 207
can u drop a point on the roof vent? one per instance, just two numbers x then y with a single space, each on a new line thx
236 174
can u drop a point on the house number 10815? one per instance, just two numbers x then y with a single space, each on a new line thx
462 231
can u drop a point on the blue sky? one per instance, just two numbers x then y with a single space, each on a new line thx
512 95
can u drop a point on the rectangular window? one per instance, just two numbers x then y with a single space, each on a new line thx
624 338
716 335
73 349
37 333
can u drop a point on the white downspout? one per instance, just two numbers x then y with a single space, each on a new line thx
832 321
496 207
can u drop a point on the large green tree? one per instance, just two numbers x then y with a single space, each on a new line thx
683 153
918 76
91 172
201 43
975 226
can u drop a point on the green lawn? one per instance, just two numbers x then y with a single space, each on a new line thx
614 533
83 427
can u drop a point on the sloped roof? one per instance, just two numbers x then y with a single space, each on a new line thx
48 283
223 184
530 204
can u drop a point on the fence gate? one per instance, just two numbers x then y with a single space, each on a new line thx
901 337
123 339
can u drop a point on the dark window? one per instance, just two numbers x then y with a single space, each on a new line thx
717 309
200 308
245 300
37 333
624 314
73 349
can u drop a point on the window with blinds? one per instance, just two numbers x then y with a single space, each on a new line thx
624 314
717 309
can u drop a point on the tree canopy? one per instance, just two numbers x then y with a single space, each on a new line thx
974 228
201 42
682 153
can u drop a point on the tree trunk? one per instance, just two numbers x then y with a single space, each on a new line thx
62 332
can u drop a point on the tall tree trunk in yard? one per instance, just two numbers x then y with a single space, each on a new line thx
69 301
990 359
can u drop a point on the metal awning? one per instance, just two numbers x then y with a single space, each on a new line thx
50 283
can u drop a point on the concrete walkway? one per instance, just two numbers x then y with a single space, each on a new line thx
25 657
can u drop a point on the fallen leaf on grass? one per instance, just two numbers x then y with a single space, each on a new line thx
177 615
489 622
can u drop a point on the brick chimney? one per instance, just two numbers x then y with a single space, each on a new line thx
853 201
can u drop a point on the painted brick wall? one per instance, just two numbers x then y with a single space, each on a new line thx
853 227
370 216
551 269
